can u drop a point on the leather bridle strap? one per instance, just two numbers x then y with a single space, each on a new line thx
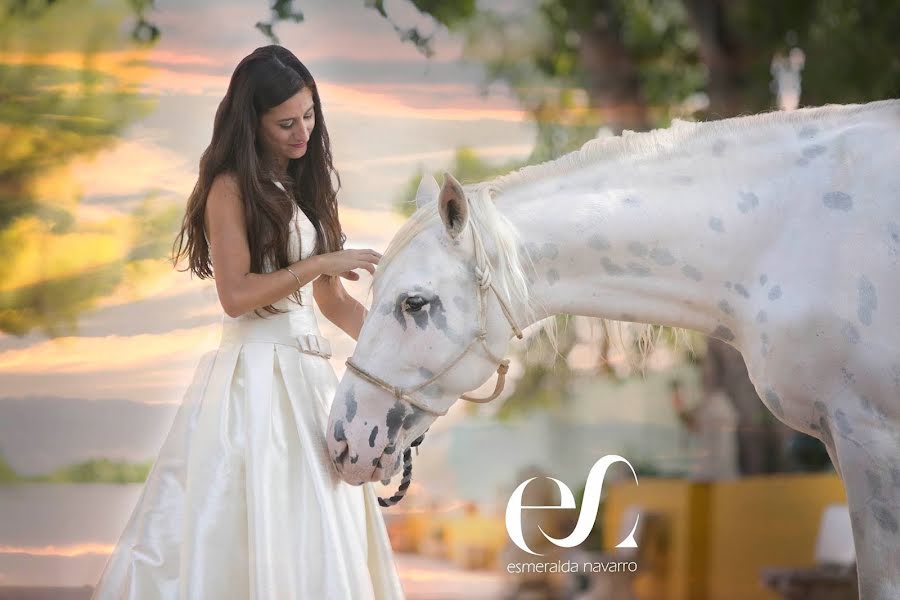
483 275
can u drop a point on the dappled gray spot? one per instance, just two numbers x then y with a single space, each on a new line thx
691 272
715 223
384 308
773 401
350 403
389 449
802 162
631 201
850 332
762 317
775 293
638 249
420 318
748 202
372 436
662 257
598 242
725 307
866 405
412 417
376 462
432 390
552 276
868 301
339 432
394 419
437 313
718 147
874 481
807 132
427 374
728 284
894 236
820 406
741 290
682 179
843 425
638 269
610 267
885 519
764 339
550 250
354 459
763 279
813 151
723 333
847 376
461 303
837 201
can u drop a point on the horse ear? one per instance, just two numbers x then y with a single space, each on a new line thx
453 206
428 191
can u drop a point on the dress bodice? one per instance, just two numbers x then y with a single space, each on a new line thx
301 241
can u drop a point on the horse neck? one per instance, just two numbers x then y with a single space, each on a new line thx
641 240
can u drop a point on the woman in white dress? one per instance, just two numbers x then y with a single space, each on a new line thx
242 501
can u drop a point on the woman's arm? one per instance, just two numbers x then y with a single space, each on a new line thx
240 290
338 306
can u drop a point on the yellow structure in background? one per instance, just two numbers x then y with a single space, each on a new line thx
719 536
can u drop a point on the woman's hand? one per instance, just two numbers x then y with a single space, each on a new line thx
343 262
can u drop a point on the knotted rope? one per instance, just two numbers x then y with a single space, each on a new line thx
407 475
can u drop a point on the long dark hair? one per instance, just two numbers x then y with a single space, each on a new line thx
262 80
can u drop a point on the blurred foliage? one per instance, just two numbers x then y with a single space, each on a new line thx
636 63
100 470
7 473
68 86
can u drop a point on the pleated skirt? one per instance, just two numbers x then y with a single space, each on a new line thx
243 501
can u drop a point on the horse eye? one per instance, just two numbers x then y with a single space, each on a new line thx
414 303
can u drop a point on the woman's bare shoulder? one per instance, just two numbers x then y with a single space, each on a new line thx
223 203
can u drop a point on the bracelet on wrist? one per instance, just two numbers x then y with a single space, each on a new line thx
299 283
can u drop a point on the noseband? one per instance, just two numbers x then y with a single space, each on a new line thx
483 277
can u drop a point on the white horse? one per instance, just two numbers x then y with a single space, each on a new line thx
778 233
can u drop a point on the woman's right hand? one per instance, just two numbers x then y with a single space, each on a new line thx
343 262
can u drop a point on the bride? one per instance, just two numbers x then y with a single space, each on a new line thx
242 501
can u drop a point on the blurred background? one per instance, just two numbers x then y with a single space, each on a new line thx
105 107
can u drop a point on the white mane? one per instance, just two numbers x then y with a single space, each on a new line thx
681 136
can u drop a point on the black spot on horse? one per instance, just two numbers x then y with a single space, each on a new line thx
412 418
723 333
350 403
339 432
372 436
394 419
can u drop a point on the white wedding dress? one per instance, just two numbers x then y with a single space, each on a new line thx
243 502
